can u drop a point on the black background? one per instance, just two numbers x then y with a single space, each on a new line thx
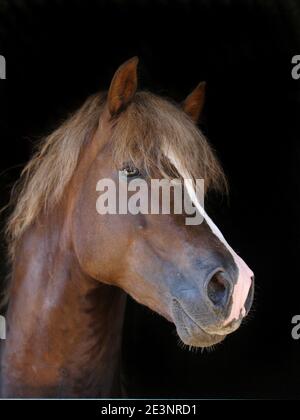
59 52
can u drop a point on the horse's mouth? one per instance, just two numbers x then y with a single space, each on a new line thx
190 332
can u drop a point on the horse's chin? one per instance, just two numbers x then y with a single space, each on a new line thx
191 333
200 339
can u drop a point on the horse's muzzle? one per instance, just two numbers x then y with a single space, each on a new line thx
200 314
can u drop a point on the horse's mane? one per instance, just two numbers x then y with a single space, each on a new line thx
46 175
142 132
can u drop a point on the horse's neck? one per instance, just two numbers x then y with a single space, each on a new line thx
64 333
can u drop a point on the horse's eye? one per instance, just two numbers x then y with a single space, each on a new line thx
130 171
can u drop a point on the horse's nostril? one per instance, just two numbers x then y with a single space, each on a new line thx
217 289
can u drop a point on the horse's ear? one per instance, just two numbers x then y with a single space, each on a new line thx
194 103
123 86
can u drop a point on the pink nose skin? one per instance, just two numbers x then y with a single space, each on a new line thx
241 289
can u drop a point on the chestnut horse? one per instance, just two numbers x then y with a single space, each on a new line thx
72 268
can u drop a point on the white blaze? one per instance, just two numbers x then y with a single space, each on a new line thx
242 287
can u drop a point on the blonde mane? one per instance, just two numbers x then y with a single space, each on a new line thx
141 134
45 177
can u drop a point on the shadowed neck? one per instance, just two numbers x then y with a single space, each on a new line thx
64 328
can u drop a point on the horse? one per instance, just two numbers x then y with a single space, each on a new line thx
71 268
